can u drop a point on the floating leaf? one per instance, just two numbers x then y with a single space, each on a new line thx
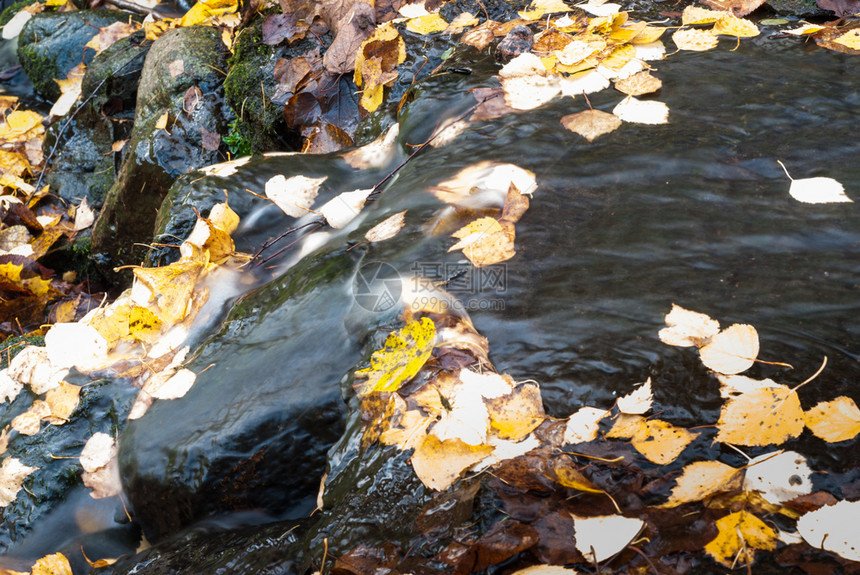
639 84
55 564
599 538
343 208
695 40
779 476
176 386
731 351
12 476
660 441
583 426
539 8
730 25
515 415
836 420
591 124
427 24
570 477
403 355
833 528
740 534
696 15
816 190
294 195
642 111
638 401
769 415
702 479
387 228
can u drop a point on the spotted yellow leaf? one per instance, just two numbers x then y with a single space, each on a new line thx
403 355
837 420
740 534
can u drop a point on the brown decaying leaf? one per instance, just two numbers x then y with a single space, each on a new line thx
640 83
210 140
590 124
352 29
193 97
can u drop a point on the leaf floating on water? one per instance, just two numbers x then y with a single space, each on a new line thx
702 479
833 421
696 15
779 476
642 111
769 415
387 228
695 40
12 476
599 538
539 8
833 528
377 153
816 190
688 328
403 355
343 208
639 84
590 124
427 24
545 570
740 534
660 441
294 195
731 351
583 426
55 564
638 401
730 25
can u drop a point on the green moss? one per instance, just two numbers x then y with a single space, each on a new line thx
9 12
40 69
14 344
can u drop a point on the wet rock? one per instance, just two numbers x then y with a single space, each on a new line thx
516 42
252 90
52 43
253 431
83 165
47 505
182 78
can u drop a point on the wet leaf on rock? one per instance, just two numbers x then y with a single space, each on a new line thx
12 476
403 355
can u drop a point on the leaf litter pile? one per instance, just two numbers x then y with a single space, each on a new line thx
584 492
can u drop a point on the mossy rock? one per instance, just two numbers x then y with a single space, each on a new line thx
250 87
53 43
9 12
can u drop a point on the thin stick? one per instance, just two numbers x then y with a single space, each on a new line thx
785 170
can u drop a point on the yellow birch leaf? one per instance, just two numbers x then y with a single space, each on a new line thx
515 415
851 39
740 534
619 57
21 125
371 74
155 29
386 44
223 217
638 84
112 322
647 35
209 238
427 24
161 123
403 355
12 476
687 328
204 10
484 249
731 351
539 8
462 21
570 477
836 420
590 124
731 25
29 422
14 163
806 29
625 426
408 431
696 15
702 479
62 400
660 441
695 40
143 325
55 564
387 228
473 231
46 239
171 287
438 464
765 416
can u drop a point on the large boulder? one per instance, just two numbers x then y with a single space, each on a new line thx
52 43
83 164
181 79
